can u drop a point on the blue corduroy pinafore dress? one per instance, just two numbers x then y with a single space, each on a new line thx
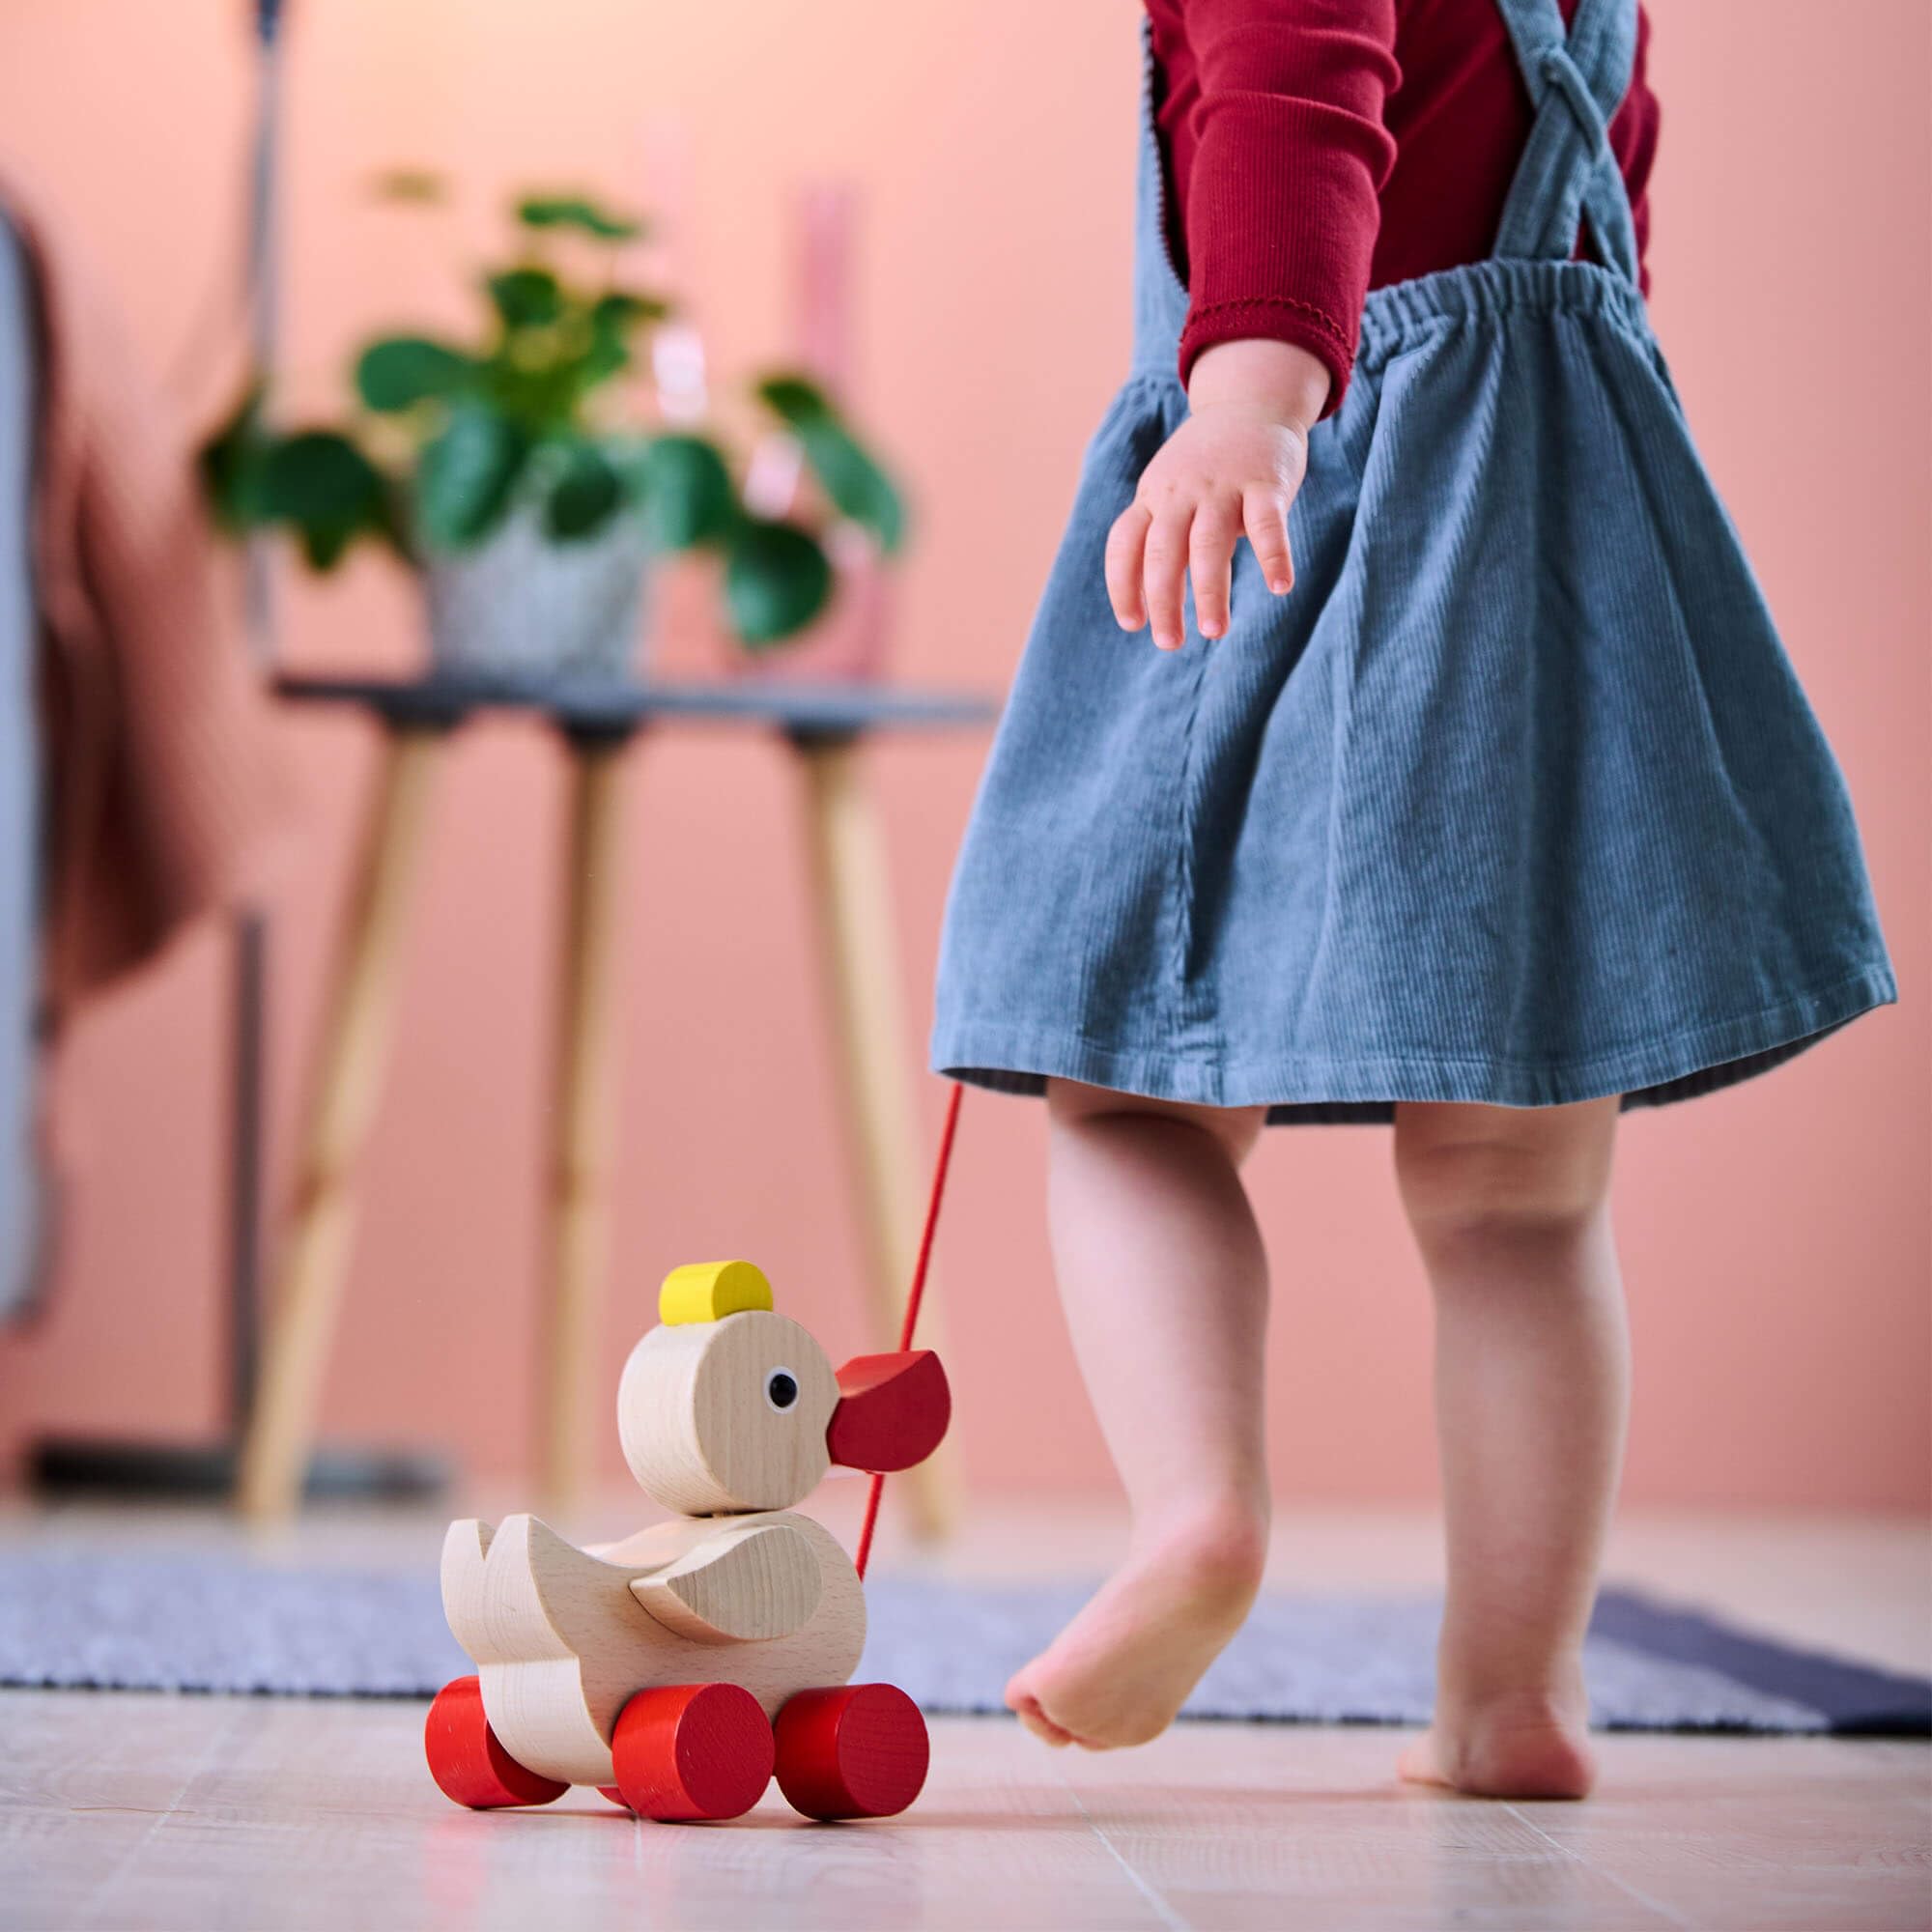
1513 798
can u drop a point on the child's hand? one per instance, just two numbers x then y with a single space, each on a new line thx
1233 465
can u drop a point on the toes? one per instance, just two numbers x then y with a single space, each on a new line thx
1026 1707
1023 1700
1032 1714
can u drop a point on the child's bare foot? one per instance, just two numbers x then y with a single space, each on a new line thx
1122 1669
1519 1745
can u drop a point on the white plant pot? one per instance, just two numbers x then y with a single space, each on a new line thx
522 605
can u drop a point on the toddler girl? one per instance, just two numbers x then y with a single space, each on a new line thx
1477 796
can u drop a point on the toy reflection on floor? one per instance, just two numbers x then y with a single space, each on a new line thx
677 1670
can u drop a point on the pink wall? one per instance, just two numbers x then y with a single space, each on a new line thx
1777 1237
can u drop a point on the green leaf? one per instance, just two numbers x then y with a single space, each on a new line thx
612 318
608 354
686 490
543 211
467 474
323 544
230 463
854 482
400 371
796 398
316 481
527 298
625 308
858 487
584 494
393 524
608 227
560 210
539 395
320 482
318 475
776 581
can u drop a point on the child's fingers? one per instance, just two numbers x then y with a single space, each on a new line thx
1264 514
1165 574
1126 542
1210 555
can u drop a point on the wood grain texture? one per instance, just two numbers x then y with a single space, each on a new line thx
697 1427
741 1585
582 1119
178 1815
359 1010
562 1644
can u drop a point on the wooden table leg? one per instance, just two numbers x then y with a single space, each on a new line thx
583 1117
851 892
359 1006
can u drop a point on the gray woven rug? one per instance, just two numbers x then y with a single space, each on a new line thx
222 1624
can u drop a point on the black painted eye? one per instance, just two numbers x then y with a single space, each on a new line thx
780 1389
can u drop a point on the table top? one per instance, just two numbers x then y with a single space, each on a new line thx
615 707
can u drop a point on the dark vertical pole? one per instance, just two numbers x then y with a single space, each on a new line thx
249 987
263 286
246 1095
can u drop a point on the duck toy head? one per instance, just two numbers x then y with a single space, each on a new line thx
678 1670
727 1407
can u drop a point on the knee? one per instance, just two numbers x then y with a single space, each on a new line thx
1073 1104
1489 1172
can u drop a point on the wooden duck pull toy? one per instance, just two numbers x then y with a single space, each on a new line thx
677 1670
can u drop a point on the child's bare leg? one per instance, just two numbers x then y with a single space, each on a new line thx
1510 1209
1165 1286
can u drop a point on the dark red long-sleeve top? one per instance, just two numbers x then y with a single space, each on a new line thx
1317 149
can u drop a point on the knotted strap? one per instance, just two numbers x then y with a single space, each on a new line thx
1577 80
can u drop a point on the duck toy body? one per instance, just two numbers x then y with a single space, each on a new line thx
679 1670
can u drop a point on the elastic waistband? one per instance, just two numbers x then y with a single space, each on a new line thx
1398 315
1482 291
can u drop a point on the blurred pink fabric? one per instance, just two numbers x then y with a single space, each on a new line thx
156 748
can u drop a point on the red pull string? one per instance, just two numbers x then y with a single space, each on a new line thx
914 1295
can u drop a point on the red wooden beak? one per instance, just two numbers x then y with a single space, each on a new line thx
891 1410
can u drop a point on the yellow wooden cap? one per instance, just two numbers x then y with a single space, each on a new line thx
706 1290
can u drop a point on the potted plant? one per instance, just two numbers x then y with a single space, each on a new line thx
510 472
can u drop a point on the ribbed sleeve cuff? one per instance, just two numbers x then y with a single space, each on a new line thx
1273 318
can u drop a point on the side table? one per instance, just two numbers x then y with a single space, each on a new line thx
825 726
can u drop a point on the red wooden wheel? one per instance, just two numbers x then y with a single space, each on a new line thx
616 1796
858 1751
468 1762
692 1750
